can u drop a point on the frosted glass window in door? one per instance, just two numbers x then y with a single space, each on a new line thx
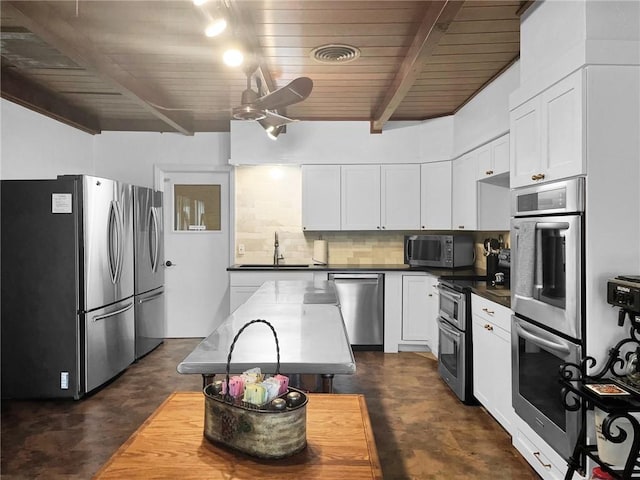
196 208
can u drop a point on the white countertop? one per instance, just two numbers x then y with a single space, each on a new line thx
307 320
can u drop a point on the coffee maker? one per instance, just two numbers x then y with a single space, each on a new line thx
503 271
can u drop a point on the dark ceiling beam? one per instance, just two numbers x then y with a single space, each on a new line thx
32 96
435 23
41 19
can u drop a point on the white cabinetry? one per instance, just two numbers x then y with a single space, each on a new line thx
360 197
492 359
419 310
547 134
464 201
400 197
493 158
243 284
432 312
321 197
380 197
435 196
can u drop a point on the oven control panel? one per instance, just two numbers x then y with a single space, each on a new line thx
624 291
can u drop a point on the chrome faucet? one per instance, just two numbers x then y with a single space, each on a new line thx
277 256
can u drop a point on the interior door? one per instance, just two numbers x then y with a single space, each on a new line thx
197 254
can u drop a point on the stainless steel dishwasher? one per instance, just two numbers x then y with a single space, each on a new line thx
361 300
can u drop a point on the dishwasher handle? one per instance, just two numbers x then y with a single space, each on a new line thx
354 276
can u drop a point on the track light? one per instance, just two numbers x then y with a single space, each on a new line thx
216 27
233 57
272 129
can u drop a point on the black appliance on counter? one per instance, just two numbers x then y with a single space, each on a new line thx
439 251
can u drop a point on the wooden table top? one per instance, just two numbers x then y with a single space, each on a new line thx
170 445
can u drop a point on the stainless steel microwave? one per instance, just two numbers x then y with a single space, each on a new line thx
449 251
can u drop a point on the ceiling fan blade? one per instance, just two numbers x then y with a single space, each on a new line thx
294 92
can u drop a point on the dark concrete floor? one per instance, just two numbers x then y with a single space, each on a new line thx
422 431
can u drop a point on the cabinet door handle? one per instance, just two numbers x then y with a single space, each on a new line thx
460 226
489 172
538 176
545 465
489 312
488 327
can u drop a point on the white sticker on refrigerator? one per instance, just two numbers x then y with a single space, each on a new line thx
64 380
61 203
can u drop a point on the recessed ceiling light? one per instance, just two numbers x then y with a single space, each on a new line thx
199 3
233 57
216 27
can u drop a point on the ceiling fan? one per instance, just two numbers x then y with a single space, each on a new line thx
262 107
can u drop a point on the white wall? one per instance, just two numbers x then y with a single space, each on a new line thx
131 156
324 142
486 116
35 146
547 31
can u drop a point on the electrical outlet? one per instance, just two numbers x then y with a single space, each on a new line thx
241 249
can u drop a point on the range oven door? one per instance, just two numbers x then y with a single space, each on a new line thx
546 271
536 357
452 306
452 358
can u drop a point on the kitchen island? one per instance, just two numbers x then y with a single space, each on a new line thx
311 335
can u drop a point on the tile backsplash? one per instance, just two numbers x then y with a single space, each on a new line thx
269 200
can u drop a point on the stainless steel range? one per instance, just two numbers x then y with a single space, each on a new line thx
454 338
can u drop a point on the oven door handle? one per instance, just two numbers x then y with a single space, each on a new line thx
542 342
447 293
447 329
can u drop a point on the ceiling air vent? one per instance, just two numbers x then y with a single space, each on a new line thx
335 53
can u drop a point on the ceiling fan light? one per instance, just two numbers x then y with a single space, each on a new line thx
273 132
216 27
233 57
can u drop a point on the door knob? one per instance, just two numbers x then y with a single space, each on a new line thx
169 263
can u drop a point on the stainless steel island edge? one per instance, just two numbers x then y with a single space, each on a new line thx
311 335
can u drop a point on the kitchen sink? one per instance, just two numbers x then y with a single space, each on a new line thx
270 265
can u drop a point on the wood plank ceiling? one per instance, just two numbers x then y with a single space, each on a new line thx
147 65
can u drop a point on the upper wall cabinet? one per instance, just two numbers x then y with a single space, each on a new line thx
464 201
400 197
380 197
321 197
547 134
360 203
493 158
435 196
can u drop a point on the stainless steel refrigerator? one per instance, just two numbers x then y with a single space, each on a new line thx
149 269
67 285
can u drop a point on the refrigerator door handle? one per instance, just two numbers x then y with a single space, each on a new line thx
153 244
113 314
112 233
151 297
120 260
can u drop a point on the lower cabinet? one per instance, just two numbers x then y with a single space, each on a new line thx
492 359
419 310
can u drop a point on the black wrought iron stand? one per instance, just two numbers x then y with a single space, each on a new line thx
576 396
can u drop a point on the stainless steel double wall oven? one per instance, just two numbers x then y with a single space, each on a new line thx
547 289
